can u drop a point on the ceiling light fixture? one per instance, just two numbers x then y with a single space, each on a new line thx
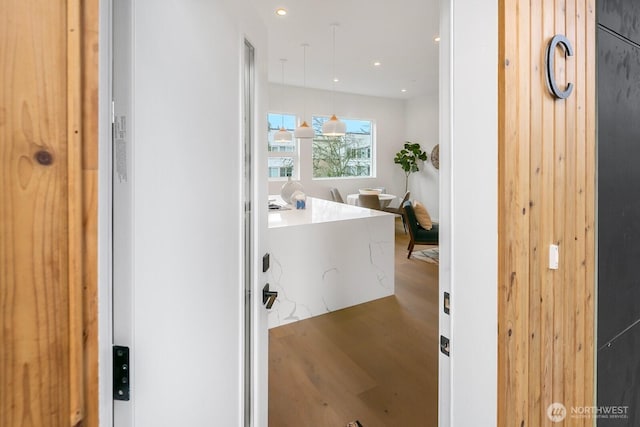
304 130
403 90
334 126
377 64
436 39
282 135
281 11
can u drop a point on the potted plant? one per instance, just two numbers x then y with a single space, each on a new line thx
408 159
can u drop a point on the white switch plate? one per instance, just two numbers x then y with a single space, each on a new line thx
554 257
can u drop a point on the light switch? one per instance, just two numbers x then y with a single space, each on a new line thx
554 257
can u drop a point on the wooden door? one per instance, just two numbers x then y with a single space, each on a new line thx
48 167
547 191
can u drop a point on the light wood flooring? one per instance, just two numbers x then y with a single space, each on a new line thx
375 362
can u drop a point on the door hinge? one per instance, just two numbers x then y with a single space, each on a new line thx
446 305
444 345
121 370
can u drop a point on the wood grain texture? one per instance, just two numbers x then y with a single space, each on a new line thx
546 185
536 189
375 362
74 210
34 294
90 51
47 214
590 190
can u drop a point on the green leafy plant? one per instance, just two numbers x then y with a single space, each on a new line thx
408 159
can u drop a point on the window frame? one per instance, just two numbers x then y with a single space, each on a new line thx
372 147
293 155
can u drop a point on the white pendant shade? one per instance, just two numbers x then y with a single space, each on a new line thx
334 127
304 131
282 136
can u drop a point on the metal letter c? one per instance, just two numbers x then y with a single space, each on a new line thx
561 40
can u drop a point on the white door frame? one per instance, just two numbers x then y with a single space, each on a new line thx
468 191
105 203
468 381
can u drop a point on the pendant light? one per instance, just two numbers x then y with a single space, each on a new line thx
334 126
304 131
282 135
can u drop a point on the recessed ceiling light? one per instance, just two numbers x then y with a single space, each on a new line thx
377 63
403 90
281 11
436 39
335 79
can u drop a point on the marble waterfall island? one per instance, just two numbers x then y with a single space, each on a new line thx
327 257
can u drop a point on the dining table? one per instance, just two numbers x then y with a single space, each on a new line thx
384 198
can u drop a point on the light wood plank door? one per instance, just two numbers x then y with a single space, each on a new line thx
48 190
546 191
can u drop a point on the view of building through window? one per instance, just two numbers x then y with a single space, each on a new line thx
333 157
343 156
283 156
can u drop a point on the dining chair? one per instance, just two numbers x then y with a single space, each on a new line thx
417 234
336 196
399 210
371 201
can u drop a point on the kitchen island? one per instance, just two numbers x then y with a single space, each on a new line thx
327 257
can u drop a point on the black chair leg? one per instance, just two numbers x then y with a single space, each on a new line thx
410 249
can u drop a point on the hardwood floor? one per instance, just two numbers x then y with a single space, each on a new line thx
375 362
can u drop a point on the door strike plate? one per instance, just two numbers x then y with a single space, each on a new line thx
121 370
444 345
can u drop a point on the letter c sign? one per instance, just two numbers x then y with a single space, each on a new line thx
561 40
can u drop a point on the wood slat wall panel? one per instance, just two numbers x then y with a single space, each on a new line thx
536 188
590 191
547 208
547 193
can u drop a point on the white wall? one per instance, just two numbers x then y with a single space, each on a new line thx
388 115
422 114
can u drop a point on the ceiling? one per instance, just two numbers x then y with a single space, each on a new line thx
399 34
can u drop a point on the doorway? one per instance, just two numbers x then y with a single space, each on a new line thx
226 406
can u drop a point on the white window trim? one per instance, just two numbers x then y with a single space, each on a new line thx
374 152
293 155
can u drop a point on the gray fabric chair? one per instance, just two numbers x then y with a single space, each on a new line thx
419 236
371 201
336 196
399 210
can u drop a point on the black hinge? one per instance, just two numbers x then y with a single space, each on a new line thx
444 345
447 302
121 369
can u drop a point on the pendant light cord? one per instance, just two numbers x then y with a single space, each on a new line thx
282 96
333 78
304 81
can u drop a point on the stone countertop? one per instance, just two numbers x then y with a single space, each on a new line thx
317 211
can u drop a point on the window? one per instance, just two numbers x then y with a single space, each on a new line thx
283 156
343 156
